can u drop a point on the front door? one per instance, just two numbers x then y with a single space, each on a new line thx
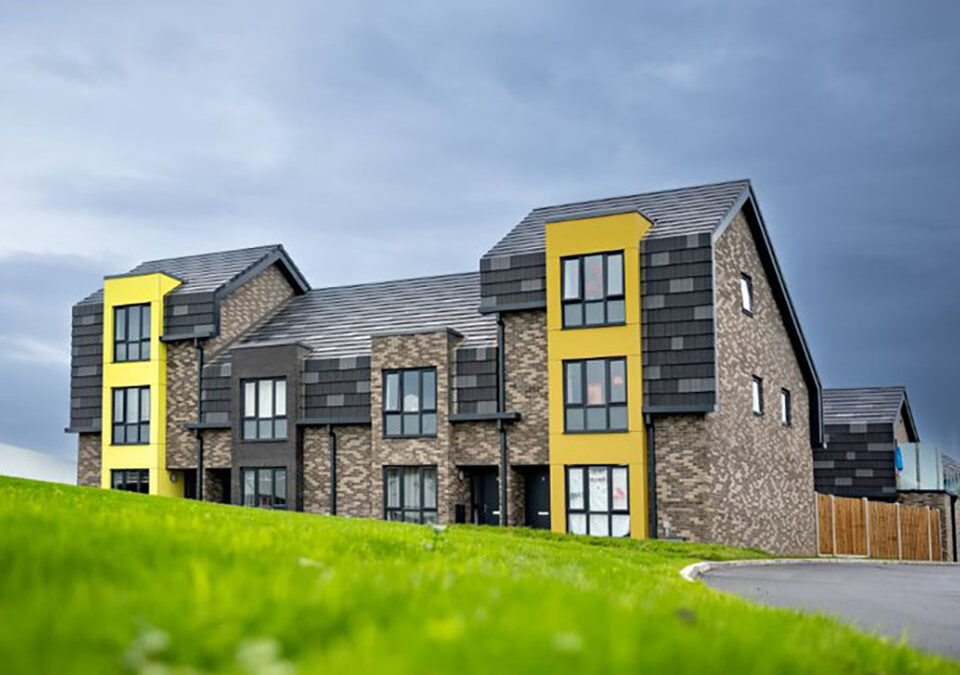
486 502
537 504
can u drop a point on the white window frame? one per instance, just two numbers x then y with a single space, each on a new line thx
746 293
756 395
786 408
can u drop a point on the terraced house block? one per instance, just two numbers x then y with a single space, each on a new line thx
620 367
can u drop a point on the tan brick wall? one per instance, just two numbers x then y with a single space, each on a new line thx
357 478
941 502
525 356
247 305
88 460
761 472
415 351
475 443
216 448
681 449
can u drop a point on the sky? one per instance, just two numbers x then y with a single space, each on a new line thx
381 140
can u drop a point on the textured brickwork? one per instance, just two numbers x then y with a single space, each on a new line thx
88 460
216 448
316 470
415 351
941 502
247 305
181 405
357 478
682 452
525 356
761 471
476 444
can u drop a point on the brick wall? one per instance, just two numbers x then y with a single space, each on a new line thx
88 460
357 477
761 471
525 356
682 452
247 305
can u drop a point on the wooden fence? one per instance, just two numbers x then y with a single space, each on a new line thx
877 529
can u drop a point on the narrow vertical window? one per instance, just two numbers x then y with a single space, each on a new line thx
131 416
746 294
786 408
410 402
757 395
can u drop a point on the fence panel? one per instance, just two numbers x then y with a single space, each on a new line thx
825 518
936 546
883 530
851 527
916 545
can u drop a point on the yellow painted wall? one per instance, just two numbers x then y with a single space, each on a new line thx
579 237
134 290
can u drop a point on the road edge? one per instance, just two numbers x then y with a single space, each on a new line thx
695 571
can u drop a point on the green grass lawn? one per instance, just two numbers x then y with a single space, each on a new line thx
98 582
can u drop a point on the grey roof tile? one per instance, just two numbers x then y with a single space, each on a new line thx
339 321
683 211
863 405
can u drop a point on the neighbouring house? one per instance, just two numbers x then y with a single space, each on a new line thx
872 450
620 367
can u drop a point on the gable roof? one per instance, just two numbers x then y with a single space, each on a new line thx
219 271
868 405
339 321
689 210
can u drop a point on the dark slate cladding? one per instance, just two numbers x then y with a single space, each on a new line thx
336 389
679 363
189 314
858 460
513 282
86 366
475 381
215 391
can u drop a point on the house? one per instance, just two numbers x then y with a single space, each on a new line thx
619 367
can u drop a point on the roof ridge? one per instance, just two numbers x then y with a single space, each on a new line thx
395 281
200 255
899 387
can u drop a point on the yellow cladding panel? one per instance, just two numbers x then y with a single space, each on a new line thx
621 232
137 290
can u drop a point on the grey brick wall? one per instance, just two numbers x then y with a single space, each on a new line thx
336 388
188 314
475 380
509 282
858 461
89 451
86 366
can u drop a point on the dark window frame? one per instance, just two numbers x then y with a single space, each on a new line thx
607 360
759 382
131 480
141 421
610 512
400 510
607 296
274 470
746 277
786 407
142 342
399 413
256 419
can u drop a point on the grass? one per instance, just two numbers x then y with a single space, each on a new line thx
97 582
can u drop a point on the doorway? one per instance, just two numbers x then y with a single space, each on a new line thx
484 496
537 498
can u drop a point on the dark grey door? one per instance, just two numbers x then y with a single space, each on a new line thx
486 503
538 498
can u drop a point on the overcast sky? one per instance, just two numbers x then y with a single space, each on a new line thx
383 140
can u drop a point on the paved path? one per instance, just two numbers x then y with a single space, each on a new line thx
921 602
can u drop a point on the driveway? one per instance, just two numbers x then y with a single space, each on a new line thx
920 602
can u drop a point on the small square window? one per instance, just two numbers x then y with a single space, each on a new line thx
746 294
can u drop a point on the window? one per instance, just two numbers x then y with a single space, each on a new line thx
595 395
131 333
757 391
265 409
593 290
131 416
746 294
410 494
597 501
786 408
410 402
265 488
130 480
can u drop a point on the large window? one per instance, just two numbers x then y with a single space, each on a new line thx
786 408
265 488
410 493
410 402
130 480
598 501
756 392
595 395
593 290
131 416
265 409
131 333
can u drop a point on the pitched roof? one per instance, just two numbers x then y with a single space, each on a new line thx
689 210
339 321
865 405
208 272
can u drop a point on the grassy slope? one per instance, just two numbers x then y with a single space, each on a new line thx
96 582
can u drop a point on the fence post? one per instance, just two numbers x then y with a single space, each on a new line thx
816 513
833 519
899 535
929 533
866 522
